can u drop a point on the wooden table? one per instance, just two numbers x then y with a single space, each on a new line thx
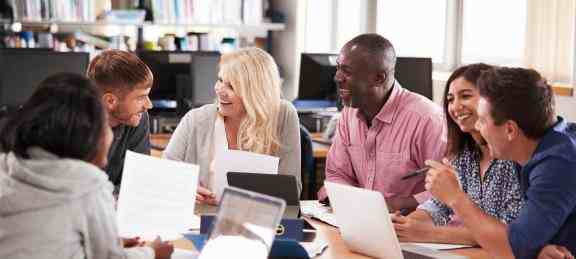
160 141
319 145
337 249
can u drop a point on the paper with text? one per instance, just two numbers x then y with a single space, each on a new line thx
157 197
240 161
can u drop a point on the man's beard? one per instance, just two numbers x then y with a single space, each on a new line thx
125 118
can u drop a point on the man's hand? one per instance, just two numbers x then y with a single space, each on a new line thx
412 230
132 242
441 182
555 252
162 250
205 196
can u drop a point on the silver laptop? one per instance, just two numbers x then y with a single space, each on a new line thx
244 218
366 226
364 221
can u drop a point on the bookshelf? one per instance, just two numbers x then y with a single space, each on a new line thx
64 26
242 20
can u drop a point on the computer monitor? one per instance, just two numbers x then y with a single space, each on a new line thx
22 70
316 88
182 79
171 72
415 74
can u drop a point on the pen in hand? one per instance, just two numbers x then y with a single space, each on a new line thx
421 171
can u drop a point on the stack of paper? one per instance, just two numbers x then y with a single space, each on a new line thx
314 209
157 197
184 254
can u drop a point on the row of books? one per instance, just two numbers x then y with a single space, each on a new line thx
208 11
61 10
164 11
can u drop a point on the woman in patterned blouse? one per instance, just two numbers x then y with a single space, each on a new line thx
492 184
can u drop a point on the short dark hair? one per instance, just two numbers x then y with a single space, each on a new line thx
457 139
521 95
64 116
376 46
119 71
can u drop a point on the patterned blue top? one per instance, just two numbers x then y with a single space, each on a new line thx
499 194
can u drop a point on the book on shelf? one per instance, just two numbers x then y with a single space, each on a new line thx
55 10
235 12
207 11
252 12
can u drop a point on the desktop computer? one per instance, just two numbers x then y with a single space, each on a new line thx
21 70
317 89
182 80
415 74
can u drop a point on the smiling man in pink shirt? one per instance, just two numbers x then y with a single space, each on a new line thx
385 130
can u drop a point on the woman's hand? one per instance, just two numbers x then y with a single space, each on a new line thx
132 242
205 196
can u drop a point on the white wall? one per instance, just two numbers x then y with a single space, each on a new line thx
566 107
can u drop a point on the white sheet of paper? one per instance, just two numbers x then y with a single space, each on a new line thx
240 161
437 246
184 254
315 247
157 197
315 210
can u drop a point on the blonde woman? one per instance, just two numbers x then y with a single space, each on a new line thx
248 115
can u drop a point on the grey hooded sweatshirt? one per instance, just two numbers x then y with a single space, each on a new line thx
58 208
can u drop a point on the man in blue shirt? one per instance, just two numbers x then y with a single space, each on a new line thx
516 117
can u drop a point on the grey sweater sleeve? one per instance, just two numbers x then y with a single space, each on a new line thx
290 149
100 233
179 141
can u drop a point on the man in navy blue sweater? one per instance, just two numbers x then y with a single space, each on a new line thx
517 119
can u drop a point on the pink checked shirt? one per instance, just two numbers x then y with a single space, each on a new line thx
408 130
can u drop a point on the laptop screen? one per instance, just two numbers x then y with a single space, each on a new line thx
245 218
276 185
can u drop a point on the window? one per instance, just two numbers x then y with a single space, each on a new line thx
331 23
456 32
350 23
494 31
319 31
529 33
416 28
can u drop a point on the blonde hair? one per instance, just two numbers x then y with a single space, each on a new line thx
254 76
